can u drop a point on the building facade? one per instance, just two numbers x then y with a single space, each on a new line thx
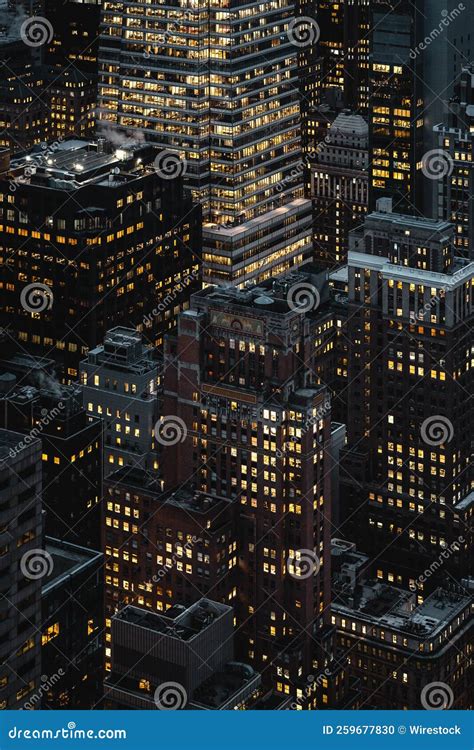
93 234
120 380
223 99
409 477
20 555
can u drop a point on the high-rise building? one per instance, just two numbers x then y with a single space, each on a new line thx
255 427
71 58
71 627
165 548
71 450
21 563
397 647
93 235
186 663
408 486
339 187
120 380
23 95
209 86
453 175
396 108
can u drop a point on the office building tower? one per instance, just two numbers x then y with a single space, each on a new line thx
398 648
93 235
71 627
229 113
71 450
22 562
409 478
71 58
189 660
339 187
452 171
163 548
396 95
23 95
257 430
120 380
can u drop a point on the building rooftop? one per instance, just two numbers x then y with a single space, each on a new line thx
68 560
273 296
123 350
74 163
182 623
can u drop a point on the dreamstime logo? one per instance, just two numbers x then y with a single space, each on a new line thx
437 164
36 563
47 416
447 18
36 31
170 430
303 297
437 696
444 555
35 298
310 688
303 31
167 301
437 430
302 563
46 684
169 166
170 696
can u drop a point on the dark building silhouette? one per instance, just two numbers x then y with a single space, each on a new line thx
95 235
21 565
71 627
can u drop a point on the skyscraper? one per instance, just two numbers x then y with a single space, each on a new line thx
452 171
22 564
339 187
93 234
218 88
408 487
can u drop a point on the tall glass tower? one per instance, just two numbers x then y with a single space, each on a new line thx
215 83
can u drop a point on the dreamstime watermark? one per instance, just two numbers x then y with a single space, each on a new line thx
447 18
176 557
320 413
302 563
36 31
36 298
443 556
170 430
46 684
308 689
167 301
36 564
437 430
437 696
303 31
170 696
35 433
303 297
169 165
437 164
298 171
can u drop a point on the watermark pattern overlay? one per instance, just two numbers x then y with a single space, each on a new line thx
36 563
170 430
437 430
170 696
36 31
35 298
437 696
